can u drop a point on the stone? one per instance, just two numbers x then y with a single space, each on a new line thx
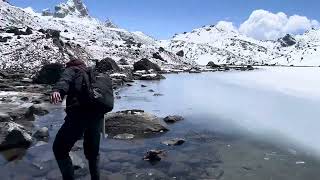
211 64
174 142
180 53
77 161
106 65
145 64
158 94
136 122
154 155
158 56
42 133
124 136
173 119
13 135
38 110
123 62
143 85
49 74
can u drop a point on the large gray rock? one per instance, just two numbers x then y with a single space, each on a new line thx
145 64
13 135
107 64
49 74
136 122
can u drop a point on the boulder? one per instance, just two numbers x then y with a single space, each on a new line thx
4 117
107 64
151 77
49 74
154 155
211 64
157 56
53 33
13 135
180 53
145 64
136 122
173 119
174 142
42 133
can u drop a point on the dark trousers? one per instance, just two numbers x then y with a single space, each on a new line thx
74 128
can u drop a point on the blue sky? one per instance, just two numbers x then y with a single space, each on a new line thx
163 18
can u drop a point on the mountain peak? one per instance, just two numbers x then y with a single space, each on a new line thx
71 7
110 24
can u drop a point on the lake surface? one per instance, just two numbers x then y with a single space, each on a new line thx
238 125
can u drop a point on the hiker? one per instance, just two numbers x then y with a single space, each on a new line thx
83 118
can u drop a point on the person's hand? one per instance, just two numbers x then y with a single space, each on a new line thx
55 98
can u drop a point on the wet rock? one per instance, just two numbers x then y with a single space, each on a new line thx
145 64
180 53
158 94
22 114
173 119
136 122
151 77
4 117
143 85
124 136
13 135
154 155
194 71
49 74
42 133
37 110
107 64
215 173
151 90
174 142
24 99
77 161
211 64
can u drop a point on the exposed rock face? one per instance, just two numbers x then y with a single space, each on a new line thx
72 7
136 122
13 135
145 64
49 74
107 64
42 133
180 53
287 41
212 65
110 24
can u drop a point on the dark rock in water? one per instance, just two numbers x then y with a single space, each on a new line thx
37 110
287 41
151 77
49 74
4 117
173 119
42 133
22 114
154 155
136 122
143 85
158 94
24 99
151 90
157 56
107 64
174 142
211 64
13 135
145 64
180 53
250 68
123 62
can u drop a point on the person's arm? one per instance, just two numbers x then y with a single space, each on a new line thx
62 86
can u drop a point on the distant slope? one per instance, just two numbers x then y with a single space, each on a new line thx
222 46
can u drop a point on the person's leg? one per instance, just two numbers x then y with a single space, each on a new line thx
91 146
68 134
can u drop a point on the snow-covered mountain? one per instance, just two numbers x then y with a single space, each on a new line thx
228 46
82 36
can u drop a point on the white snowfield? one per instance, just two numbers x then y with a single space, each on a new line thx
211 43
84 37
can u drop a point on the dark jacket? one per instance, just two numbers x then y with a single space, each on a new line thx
70 84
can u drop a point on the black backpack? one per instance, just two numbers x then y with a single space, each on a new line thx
96 92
